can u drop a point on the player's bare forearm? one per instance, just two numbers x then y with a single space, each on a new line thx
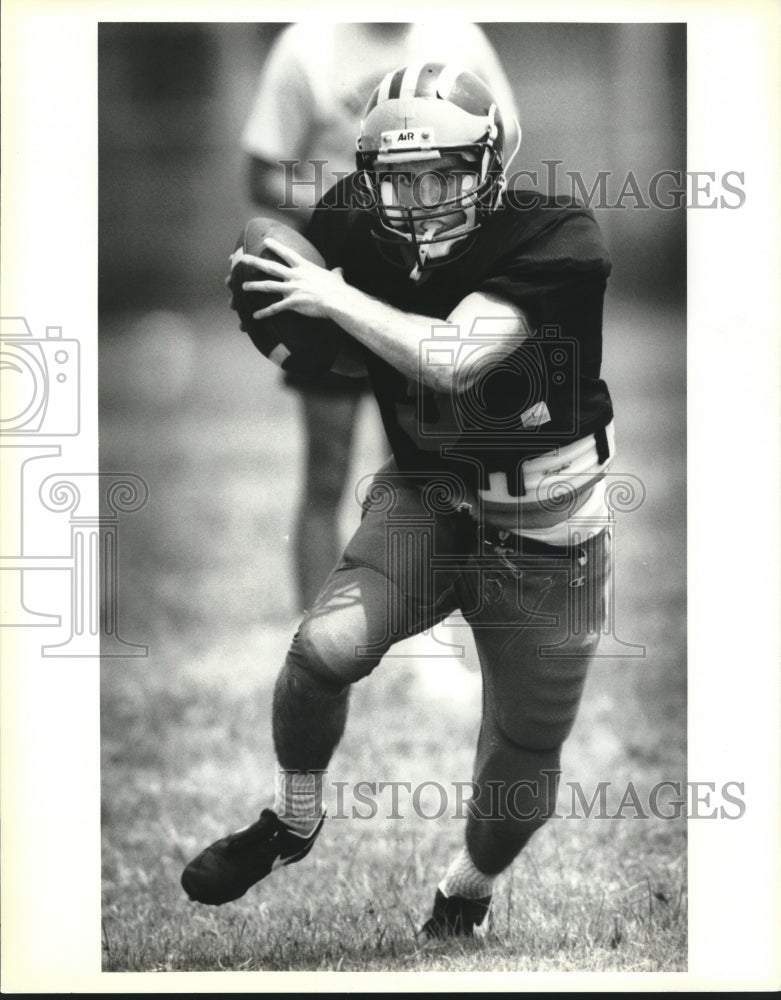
392 334
396 336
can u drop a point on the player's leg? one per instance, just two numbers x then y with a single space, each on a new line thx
340 641
382 591
536 627
369 602
329 421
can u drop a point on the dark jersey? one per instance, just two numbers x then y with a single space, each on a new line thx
546 255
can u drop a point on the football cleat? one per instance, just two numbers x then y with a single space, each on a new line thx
232 865
455 916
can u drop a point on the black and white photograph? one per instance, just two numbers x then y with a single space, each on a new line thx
373 424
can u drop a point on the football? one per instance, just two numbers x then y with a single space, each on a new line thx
300 345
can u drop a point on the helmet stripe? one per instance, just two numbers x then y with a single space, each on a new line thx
384 90
372 101
394 85
447 78
409 82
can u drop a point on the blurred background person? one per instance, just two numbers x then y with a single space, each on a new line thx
303 123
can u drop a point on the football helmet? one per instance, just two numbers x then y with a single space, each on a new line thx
431 148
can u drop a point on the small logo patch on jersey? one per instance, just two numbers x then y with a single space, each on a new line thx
536 415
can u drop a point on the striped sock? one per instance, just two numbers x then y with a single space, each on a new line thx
298 799
464 879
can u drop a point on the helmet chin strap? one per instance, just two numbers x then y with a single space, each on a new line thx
426 249
502 186
517 143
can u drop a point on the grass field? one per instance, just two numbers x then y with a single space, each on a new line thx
186 746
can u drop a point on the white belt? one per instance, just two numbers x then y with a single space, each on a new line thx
568 471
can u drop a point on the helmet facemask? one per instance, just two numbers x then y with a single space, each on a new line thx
429 210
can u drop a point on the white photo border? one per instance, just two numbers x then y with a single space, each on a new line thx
50 745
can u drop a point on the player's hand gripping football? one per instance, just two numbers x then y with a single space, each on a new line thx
305 287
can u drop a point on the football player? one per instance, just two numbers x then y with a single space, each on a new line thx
479 310
312 89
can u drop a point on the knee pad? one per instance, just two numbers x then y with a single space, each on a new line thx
329 655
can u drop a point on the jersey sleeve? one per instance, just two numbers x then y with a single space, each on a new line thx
328 226
559 246
558 279
327 230
280 118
